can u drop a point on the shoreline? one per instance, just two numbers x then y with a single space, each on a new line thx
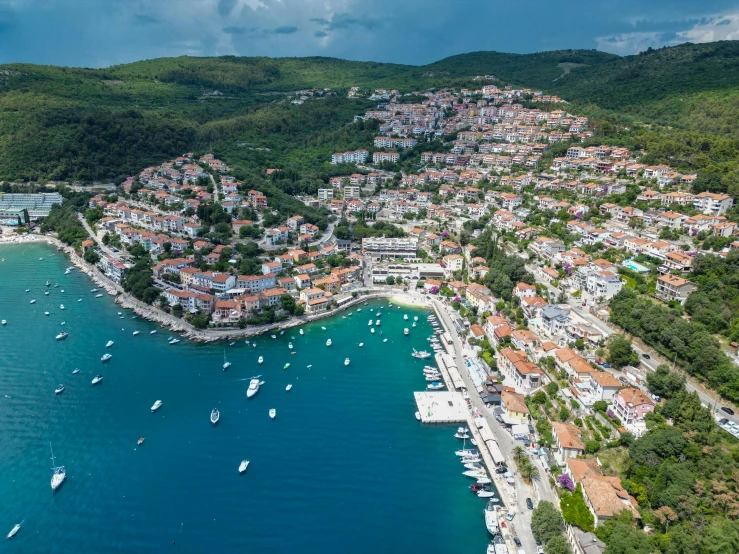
187 331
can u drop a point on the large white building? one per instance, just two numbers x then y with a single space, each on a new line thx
381 248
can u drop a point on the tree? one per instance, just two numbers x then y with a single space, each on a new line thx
546 522
557 545
518 454
288 303
91 257
620 352
624 539
390 280
552 388
575 511
167 246
665 515
528 471
665 383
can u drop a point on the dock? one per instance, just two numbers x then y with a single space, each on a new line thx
441 407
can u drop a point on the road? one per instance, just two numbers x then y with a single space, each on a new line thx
94 236
540 490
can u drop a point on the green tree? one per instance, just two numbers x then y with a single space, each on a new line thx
575 511
546 522
91 257
288 303
557 545
620 352
390 280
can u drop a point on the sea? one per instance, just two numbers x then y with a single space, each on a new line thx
343 467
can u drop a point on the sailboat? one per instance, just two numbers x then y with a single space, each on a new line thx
59 475
15 529
226 363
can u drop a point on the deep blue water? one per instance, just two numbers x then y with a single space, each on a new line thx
344 467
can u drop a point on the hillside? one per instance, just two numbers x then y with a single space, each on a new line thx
84 124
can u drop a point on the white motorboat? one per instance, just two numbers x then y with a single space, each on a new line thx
61 306
372 330
59 475
156 406
472 465
215 416
106 357
79 300
461 436
136 333
483 480
226 363
97 379
272 413
437 386
76 371
243 465
474 473
260 360
32 302
153 332
63 323
328 342
384 340
46 313
466 452
370 323
93 290
61 336
253 387
59 389
405 316
420 355
491 518
109 344
346 361
377 322
273 336
288 387
98 296
418 416
300 331
406 332
487 494
68 271
415 318
15 529
414 324
4 322
48 283
174 341
323 328
290 345
361 344
309 366
432 377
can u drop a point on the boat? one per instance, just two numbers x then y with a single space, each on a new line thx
288 387
32 302
97 379
140 441
226 363
106 357
79 300
46 293
323 328
61 290
461 435
418 416
274 336
377 322
272 413
414 324
61 336
328 342
405 316
152 332
215 416
63 323
93 290
136 333
484 480
61 306
309 366
59 475
109 344
76 371
487 494
243 465
59 389
282 333
4 322
372 330
286 366
233 342
156 406
119 313
290 345
15 529
472 465
253 387
406 332
301 331
462 430
46 313
56 286
415 318
361 344
437 386
98 296
346 361
432 377
384 340
491 518
48 283
370 323
474 473
174 341
260 360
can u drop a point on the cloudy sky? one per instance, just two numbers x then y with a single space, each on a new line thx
96 33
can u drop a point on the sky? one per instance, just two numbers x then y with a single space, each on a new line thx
99 33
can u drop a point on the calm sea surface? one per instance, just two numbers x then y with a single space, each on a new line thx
344 467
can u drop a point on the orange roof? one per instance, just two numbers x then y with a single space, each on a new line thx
568 435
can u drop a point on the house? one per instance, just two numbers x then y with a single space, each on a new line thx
514 407
553 319
524 290
277 235
631 405
713 204
606 497
604 386
567 441
672 287
452 263
223 282
330 284
514 365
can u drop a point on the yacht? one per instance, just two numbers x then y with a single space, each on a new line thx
437 386
32 302
136 333
272 413
328 342
59 389
287 388
215 416
372 330
260 360
61 336
76 371
106 357
290 345
253 387
243 465
405 316
406 332
174 341
109 344
370 323
361 344
15 529
226 363
98 296
152 332
301 331
97 379
59 475
377 322
156 406
61 306
491 518
346 361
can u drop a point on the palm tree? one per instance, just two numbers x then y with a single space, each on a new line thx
518 454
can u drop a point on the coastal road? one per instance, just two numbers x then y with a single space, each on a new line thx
539 490
94 236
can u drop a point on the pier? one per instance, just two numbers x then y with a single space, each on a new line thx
441 407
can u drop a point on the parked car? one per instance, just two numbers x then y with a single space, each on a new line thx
501 470
646 356
607 366
599 362
727 410
529 504
539 550
723 421
517 541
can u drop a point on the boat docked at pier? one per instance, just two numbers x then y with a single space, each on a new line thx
422 355
253 387
491 518
436 386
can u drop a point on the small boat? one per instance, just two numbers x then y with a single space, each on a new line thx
406 332
68 271
140 441
119 313
28 290
361 344
290 345
310 366
359 309
232 343
106 357
59 475
136 333
282 333
152 332
61 290
61 306
472 464
226 363
93 290
56 286
260 360
109 344
415 318
253 387
437 386
301 331
170 338
384 340
461 436
272 413
243 465
405 316
377 322
328 342
15 529
59 389
61 336
420 355
483 480
491 518
46 293
98 296
63 323
76 371
97 379
32 302
323 328
288 387
261 383
174 341
418 416
414 324
156 406
372 330
473 473
274 336
487 494
79 300
4 322
462 430
48 283
346 361
46 313
370 323
292 338
215 416
286 366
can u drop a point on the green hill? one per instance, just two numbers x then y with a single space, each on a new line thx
97 124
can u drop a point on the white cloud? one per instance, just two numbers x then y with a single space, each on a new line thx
633 43
720 27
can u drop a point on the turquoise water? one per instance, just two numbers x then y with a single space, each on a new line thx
344 467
